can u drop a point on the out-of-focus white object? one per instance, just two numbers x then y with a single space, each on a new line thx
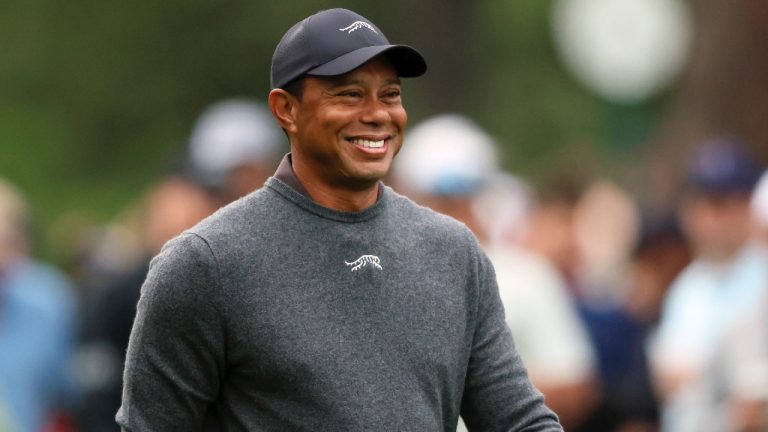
234 132
760 201
625 50
448 154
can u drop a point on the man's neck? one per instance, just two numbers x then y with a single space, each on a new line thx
341 199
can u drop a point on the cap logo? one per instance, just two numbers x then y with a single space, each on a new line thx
356 25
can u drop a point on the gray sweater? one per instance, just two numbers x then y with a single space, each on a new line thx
277 314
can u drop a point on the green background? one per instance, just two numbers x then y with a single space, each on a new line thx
98 98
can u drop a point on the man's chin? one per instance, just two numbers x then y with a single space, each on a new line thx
365 179
369 170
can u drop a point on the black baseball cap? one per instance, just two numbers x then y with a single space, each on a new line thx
334 42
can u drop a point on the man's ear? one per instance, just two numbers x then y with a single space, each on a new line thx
284 107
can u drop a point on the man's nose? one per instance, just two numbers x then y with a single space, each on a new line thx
375 112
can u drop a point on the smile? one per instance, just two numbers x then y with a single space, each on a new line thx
368 143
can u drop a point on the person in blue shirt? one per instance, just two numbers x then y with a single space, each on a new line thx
37 324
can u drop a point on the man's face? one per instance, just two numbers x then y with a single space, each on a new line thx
717 225
348 128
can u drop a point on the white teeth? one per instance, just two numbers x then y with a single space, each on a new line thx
369 144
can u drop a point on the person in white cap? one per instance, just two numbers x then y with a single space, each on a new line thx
235 145
450 165
325 301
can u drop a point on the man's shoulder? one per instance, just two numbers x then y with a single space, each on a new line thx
426 221
237 216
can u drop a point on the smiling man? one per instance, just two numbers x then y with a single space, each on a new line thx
325 301
344 132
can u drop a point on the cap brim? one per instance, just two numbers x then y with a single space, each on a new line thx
407 61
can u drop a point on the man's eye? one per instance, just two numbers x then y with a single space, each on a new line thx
351 93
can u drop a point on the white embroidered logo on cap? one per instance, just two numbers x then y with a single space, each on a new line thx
356 25
363 261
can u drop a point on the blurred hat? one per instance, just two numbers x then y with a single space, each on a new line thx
334 42
232 133
723 165
447 154
760 200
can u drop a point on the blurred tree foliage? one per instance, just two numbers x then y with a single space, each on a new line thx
98 98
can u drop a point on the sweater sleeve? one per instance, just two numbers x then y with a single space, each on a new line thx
175 359
498 395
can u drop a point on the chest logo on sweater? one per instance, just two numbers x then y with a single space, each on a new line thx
363 261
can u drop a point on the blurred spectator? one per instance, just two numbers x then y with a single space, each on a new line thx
92 253
444 163
171 206
462 180
551 231
744 354
234 146
588 229
728 276
660 254
605 229
37 325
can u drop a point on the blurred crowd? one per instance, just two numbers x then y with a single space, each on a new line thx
627 320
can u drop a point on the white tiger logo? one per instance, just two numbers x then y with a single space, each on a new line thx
356 25
363 261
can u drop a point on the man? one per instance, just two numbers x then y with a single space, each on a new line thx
727 277
326 301
743 356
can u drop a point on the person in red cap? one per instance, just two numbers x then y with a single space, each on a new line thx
325 301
